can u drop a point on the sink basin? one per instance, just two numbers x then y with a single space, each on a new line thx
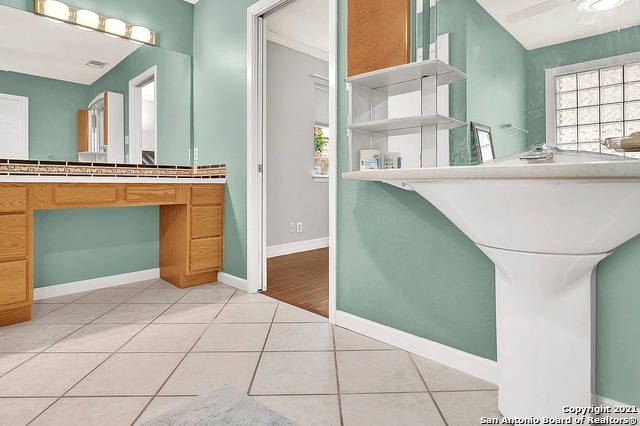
545 226
551 214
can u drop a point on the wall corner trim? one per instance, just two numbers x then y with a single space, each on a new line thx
94 284
482 368
233 281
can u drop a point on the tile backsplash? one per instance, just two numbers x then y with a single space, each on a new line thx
75 168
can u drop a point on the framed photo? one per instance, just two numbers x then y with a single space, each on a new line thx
483 141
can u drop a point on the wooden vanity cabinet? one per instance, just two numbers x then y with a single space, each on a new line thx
191 227
191 244
16 290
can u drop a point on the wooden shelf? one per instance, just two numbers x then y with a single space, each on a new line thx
404 73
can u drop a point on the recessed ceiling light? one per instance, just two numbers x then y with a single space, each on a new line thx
599 5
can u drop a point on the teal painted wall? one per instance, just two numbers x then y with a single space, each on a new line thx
220 112
51 131
617 324
496 88
65 248
173 97
75 245
401 263
494 93
451 19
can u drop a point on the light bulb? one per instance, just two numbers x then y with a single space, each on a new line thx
140 34
87 18
115 27
55 9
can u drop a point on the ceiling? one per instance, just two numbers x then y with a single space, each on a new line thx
29 46
304 24
559 20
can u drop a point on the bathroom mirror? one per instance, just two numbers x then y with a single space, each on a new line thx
509 50
57 95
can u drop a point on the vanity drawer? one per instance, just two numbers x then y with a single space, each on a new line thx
13 199
85 194
206 253
13 282
13 236
207 194
206 221
151 193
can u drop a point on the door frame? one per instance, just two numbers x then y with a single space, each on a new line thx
256 124
135 115
23 137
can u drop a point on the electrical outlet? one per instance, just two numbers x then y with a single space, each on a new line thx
299 226
292 227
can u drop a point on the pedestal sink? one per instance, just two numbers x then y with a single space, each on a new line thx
545 226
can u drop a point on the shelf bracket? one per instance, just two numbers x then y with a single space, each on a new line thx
399 183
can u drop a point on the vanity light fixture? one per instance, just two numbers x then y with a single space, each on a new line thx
599 5
57 11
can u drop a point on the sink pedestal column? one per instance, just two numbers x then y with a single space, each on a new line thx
545 331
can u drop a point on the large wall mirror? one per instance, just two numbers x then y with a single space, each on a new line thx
59 79
561 72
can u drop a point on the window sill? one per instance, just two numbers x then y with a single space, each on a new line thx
320 179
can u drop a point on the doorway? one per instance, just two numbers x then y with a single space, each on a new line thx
296 195
260 249
142 146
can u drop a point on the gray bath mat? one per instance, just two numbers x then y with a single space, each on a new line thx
224 406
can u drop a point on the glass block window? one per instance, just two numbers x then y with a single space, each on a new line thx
596 104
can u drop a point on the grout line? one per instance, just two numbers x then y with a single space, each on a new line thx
335 360
60 340
433 399
155 395
280 305
264 345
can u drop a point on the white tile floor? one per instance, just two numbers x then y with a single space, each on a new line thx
122 355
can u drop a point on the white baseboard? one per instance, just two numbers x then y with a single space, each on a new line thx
471 364
290 248
601 400
233 281
94 284
482 368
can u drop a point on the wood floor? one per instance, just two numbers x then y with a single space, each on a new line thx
301 279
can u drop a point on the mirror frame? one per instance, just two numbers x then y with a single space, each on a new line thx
480 132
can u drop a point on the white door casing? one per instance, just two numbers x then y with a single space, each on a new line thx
135 114
14 127
256 223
